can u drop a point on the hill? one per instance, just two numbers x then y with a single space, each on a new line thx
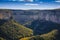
11 30
48 36
42 26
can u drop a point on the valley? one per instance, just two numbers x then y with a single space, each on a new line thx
29 24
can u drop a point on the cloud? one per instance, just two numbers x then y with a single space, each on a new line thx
57 1
30 0
13 0
30 4
23 0
20 0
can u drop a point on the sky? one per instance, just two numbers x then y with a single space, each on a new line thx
29 4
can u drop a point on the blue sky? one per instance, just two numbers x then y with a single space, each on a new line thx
29 4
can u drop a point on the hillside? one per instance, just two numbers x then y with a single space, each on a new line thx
42 26
48 36
12 30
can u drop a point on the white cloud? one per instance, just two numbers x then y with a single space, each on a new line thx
21 0
12 0
30 4
30 0
57 1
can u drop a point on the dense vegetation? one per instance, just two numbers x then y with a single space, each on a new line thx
49 36
2 38
13 31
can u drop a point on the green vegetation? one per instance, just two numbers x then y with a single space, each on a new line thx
49 36
15 31
2 38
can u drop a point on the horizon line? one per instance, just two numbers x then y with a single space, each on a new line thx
28 9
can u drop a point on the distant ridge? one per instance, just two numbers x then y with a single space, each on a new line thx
31 9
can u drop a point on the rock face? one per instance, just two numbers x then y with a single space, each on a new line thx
5 14
28 15
24 16
52 15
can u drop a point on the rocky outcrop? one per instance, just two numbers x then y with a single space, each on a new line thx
24 16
